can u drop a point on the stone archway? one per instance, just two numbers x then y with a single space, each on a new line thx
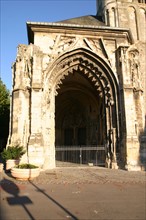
77 77
78 108
79 121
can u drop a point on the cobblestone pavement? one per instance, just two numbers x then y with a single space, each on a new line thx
84 175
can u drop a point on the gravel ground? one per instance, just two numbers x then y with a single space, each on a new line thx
83 175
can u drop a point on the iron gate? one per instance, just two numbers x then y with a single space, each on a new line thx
91 155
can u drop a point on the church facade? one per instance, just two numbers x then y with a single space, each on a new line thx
81 84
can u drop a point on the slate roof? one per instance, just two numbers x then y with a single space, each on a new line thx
84 20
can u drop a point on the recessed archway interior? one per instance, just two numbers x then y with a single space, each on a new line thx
79 112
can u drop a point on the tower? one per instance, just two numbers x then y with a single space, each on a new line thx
106 10
124 14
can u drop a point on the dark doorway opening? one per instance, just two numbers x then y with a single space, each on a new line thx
79 122
68 136
81 136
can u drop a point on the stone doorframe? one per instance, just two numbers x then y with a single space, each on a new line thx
100 74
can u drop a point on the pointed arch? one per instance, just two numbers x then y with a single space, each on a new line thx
90 64
100 75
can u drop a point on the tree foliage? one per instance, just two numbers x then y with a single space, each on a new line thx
4 110
4 98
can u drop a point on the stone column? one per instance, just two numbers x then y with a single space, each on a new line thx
35 147
132 141
111 137
20 101
49 134
129 81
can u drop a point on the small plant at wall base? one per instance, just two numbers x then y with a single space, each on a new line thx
12 152
11 155
26 166
25 171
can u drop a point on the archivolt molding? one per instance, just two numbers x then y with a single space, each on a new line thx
98 73
64 43
90 65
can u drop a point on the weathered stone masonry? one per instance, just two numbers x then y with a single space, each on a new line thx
86 74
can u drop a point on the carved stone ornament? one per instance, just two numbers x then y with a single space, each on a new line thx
67 43
88 68
22 68
61 44
135 73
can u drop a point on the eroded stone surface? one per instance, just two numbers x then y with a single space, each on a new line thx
83 85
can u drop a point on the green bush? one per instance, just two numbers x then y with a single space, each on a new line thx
12 152
26 166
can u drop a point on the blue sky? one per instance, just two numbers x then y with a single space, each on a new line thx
15 14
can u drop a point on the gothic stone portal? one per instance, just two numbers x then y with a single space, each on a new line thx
84 111
72 87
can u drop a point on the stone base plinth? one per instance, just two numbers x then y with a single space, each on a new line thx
133 168
1 167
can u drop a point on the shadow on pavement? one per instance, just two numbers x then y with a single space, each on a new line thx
54 201
11 188
15 199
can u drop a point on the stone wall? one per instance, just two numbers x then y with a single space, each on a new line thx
109 58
